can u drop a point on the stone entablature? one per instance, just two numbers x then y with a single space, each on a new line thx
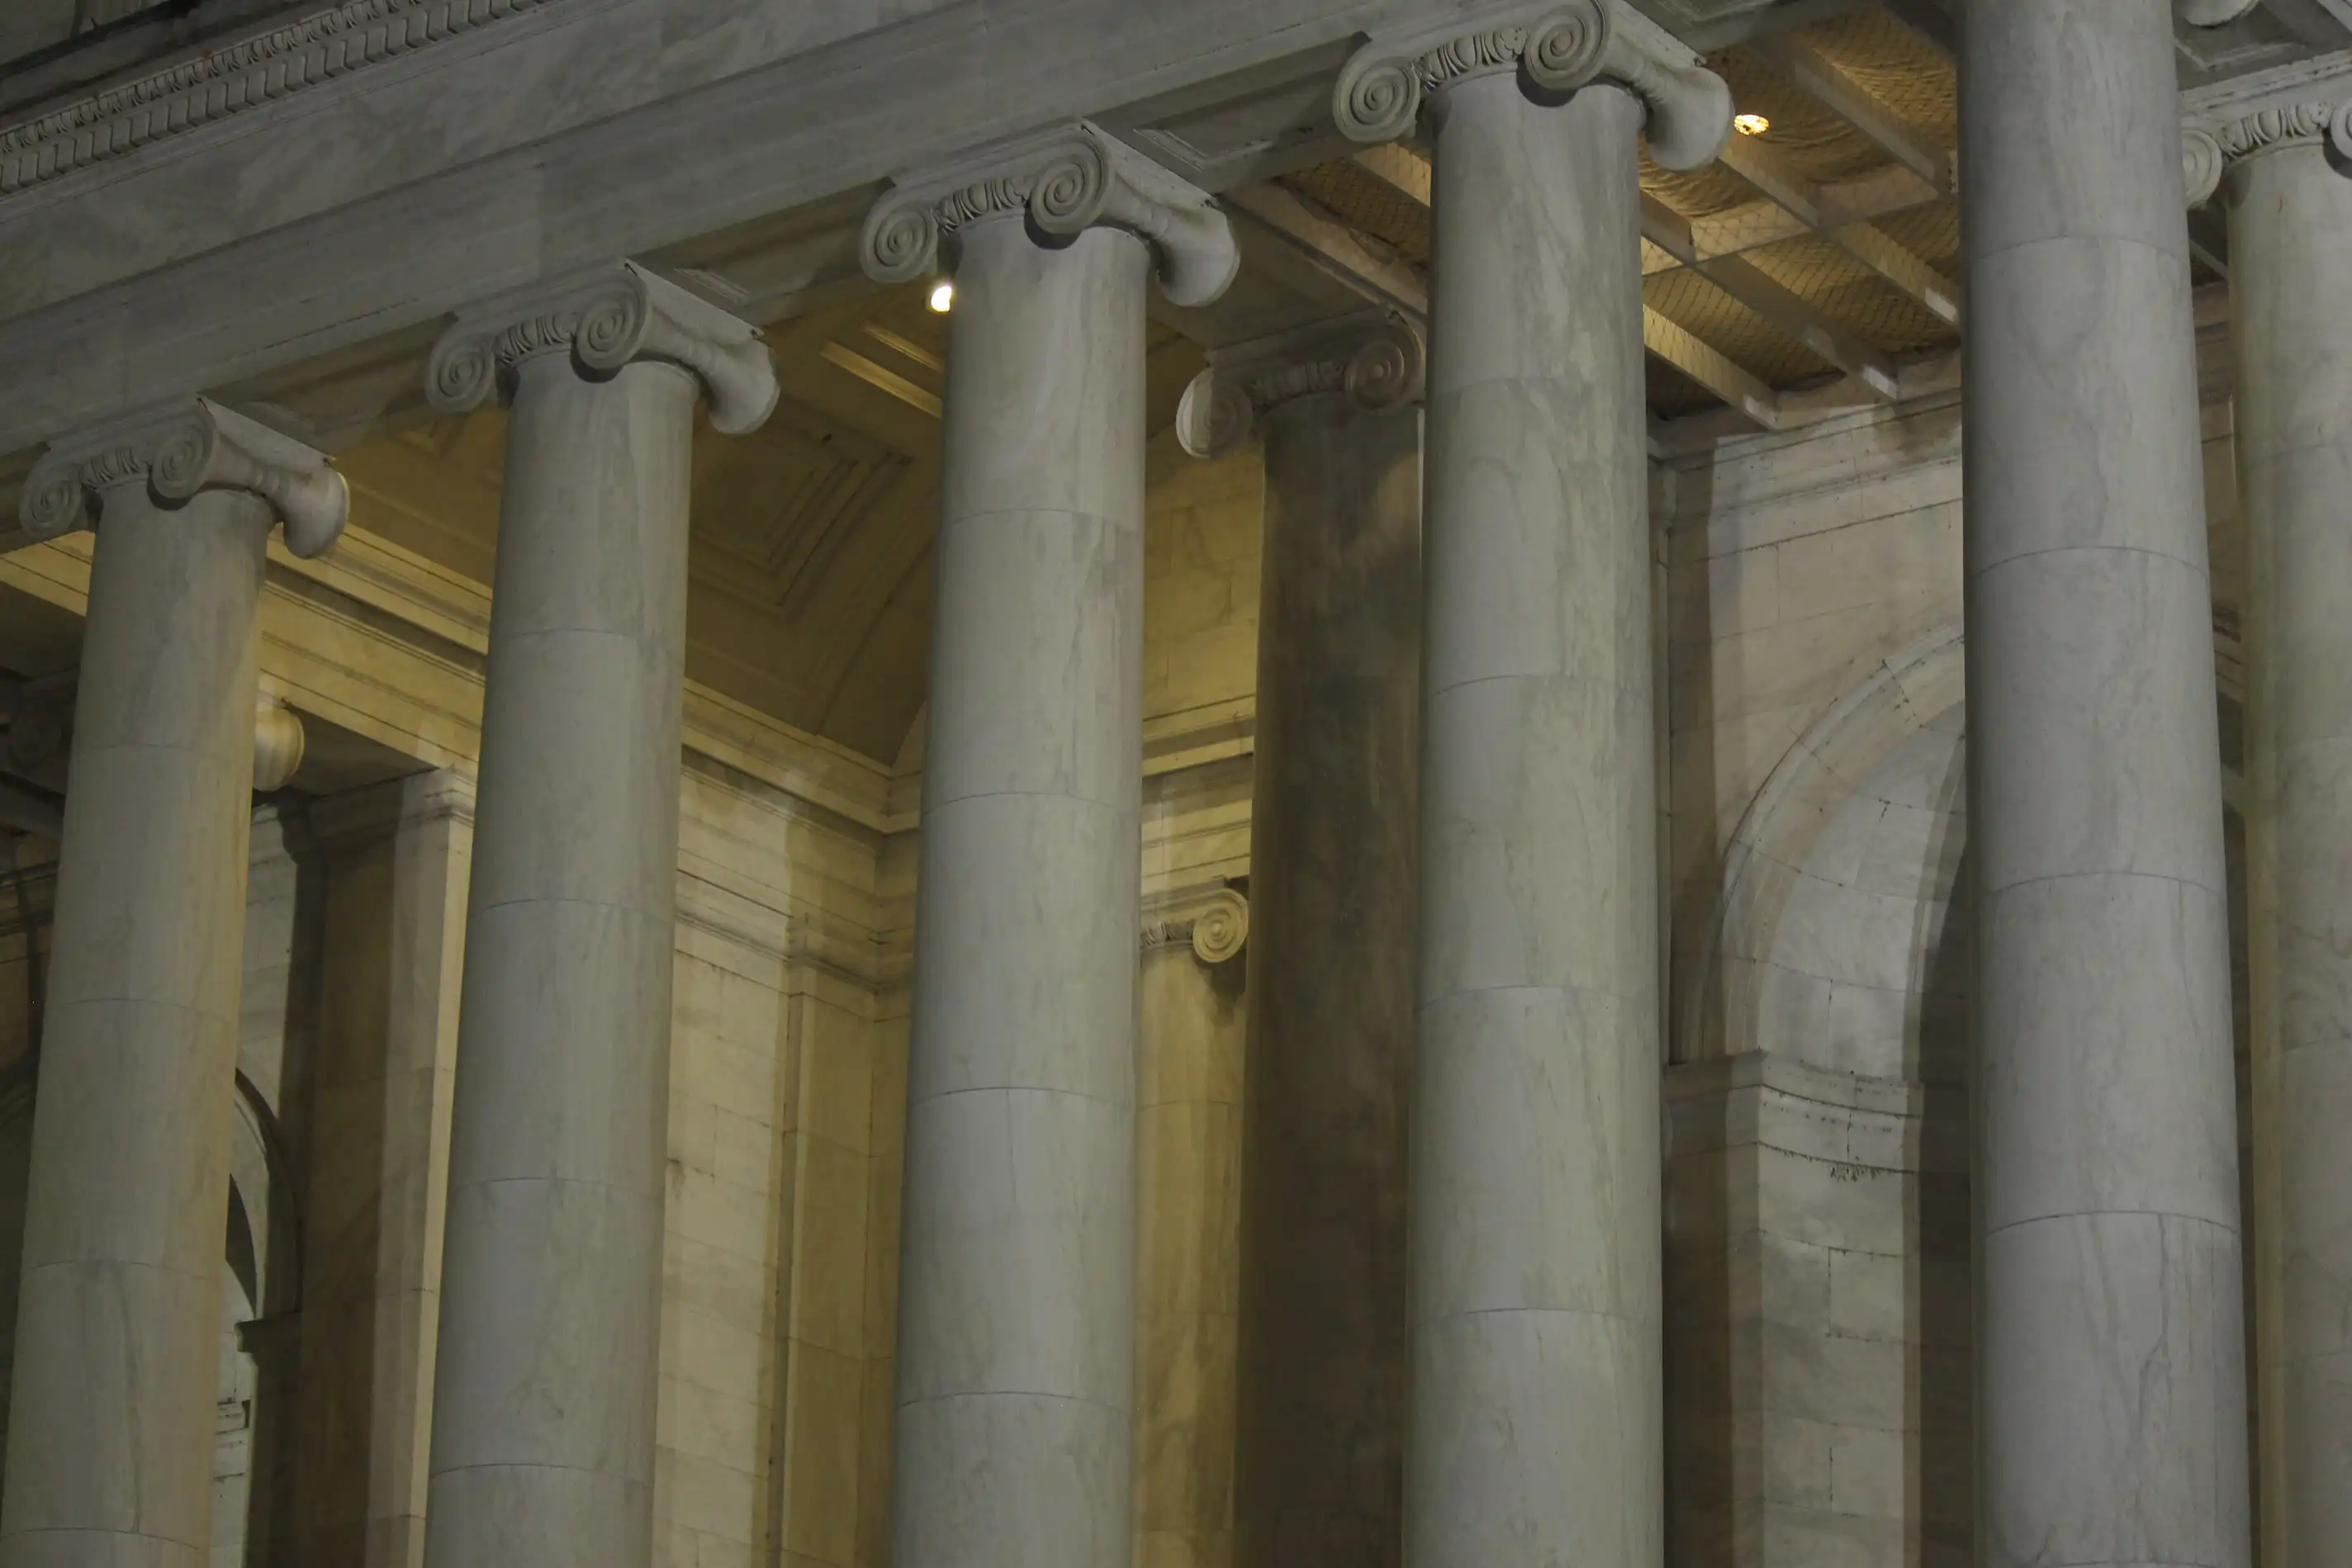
325 47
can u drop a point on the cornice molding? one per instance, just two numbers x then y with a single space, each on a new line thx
1555 48
326 46
604 319
1376 360
176 451
1215 922
1061 183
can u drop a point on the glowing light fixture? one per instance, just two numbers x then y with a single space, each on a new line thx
1750 124
942 296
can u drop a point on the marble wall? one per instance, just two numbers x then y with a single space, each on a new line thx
787 1106
1818 1203
1813 843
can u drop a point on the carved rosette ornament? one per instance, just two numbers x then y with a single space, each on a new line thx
176 451
607 318
2209 151
1061 183
1555 49
1375 360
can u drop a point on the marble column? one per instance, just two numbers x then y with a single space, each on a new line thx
1334 825
2110 1349
110 1419
1536 1395
2290 210
1017 1324
544 1388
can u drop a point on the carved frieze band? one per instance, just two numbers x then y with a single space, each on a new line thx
326 46
1376 360
2207 151
176 451
1061 183
606 318
1556 49
1215 922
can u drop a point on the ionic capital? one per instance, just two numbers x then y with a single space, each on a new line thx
606 318
1555 48
2207 151
1214 922
1375 360
1061 183
177 450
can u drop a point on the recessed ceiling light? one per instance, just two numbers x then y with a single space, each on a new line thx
1750 124
942 296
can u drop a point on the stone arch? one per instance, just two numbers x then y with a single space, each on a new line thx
1736 995
261 1280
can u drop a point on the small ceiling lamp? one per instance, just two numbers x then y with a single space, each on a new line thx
942 296
1750 124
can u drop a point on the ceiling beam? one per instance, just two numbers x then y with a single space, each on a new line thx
1752 287
1751 228
1928 288
1813 207
1749 23
1754 224
1407 175
1822 79
1749 398
1335 249
1932 21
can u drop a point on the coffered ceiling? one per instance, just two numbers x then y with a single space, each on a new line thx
1815 268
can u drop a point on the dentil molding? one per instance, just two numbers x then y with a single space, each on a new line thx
176 451
326 46
606 318
1376 360
1061 183
1555 48
1215 922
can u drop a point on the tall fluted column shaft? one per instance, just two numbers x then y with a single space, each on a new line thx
1016 1337
1334 824
111 1418
1536 1407
2112 1419
548 1361
2290 230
